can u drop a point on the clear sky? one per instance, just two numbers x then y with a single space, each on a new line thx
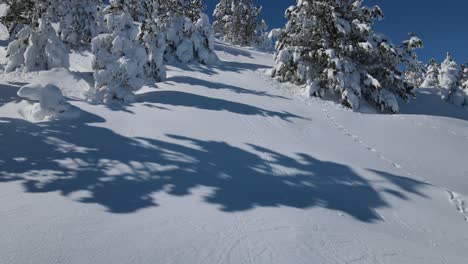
442 24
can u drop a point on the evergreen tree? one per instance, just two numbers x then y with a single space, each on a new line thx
18 15
136 8
119 58
154 41
46 50
460 95
415 70
190 35
220 14
36 46
330 46
448 78
79 21
431 77
463 79
192 9
238 22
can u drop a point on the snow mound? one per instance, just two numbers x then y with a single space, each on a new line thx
48 103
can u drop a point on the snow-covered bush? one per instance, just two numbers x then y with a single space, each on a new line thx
48 101
238 22
37 50
330 47
36 46
119 58
17 48
79 21
431 77
189 34
203 41
46 50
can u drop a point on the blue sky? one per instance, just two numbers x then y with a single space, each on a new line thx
443 25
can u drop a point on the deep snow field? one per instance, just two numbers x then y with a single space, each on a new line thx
221 164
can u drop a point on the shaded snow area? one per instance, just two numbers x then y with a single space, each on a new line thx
221 164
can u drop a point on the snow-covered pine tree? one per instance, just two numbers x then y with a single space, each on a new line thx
79 21
192 9
221 12
463 76
463 79
37 47
448 78
119 58
460 95
264 40
46 50
17 48
154 41
239 22
136 9
415 69
330 46
431 77
190 35
18 15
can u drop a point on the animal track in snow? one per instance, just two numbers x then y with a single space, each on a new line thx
457 200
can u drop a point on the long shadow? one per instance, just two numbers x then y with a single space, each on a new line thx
92 164
221 66
176 98
220 86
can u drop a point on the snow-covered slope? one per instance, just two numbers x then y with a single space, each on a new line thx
223 165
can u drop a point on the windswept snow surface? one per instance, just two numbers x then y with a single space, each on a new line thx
221 164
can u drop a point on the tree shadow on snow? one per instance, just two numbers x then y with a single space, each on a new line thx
8 93
221 66
92 164
176 98
220 86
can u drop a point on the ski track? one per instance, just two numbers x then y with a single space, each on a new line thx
454 198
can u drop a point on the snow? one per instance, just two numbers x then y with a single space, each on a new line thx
222 164
49 102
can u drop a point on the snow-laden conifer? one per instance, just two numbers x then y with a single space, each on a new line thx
415 70
330 47
154 41
239 22
79 21
431 77
463 80
448 78
18 15
36 46
119 58
189 34
453 82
